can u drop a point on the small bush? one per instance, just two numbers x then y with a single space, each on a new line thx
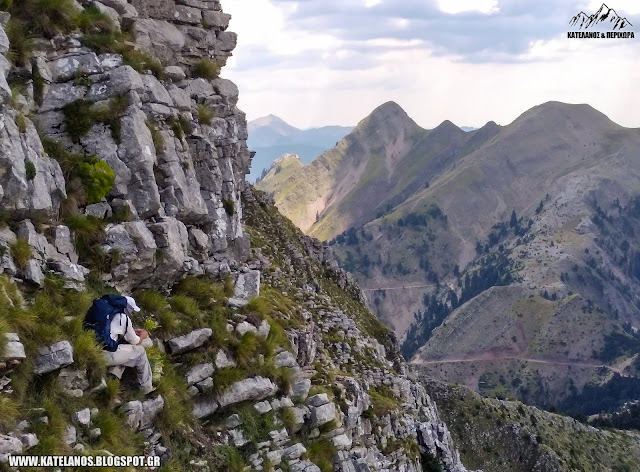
88 235
21 42
92 19
142 62
46 17
187 306
247 349
89 354
156 136
21 252
207 69
8 413
97 179
176 413
225 378
81 115
30 169
289 419
229 206
321 453
21 123
38 85
255 426
168 323
228 459
82 78
180 126
5 4
205 115
382 401
151 301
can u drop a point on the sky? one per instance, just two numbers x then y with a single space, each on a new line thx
331 62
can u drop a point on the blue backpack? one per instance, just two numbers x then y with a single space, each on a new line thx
99 316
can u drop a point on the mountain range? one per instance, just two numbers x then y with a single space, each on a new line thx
604 15
271 137
505 257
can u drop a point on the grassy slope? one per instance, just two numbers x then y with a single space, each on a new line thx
497 436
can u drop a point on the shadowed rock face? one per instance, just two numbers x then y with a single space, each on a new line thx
171 185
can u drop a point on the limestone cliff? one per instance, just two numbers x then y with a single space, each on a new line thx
122 164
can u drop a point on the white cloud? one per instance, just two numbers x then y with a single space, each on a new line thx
454 7
371 3
430 87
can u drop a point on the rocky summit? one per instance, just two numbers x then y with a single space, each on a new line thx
123 159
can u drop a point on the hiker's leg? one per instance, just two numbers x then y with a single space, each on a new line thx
132 356
144 368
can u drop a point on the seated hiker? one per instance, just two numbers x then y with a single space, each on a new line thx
124 346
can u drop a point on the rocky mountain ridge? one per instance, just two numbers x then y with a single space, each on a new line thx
123 167
521 227
271 137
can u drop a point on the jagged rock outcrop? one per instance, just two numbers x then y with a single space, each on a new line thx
181 190
277 372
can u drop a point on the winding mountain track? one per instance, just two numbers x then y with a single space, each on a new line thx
404 287
614 369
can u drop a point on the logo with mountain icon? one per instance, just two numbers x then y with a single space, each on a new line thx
605 16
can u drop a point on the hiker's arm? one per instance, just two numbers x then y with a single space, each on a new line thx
130 335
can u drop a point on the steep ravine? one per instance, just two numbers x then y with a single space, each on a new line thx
264 357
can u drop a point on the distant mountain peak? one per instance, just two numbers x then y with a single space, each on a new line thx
269 120
388 115
603 15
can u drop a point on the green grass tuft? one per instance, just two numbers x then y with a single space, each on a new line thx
246 349
21 252
205 115
224 378
22 124
229 206
207 69
321 453
30 169
156 136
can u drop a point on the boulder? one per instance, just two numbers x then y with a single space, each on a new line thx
255 388
159 38
175 73
14 349
82 417
223 360
65 68
204 408
190 341
341 442
300 390
29 440
285 359
53 357
9 444
246 327
216 19
199 373
318 400
322 414
150 409
247 285
70 435
294 452
263 407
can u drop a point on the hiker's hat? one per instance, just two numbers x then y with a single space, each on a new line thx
131 304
